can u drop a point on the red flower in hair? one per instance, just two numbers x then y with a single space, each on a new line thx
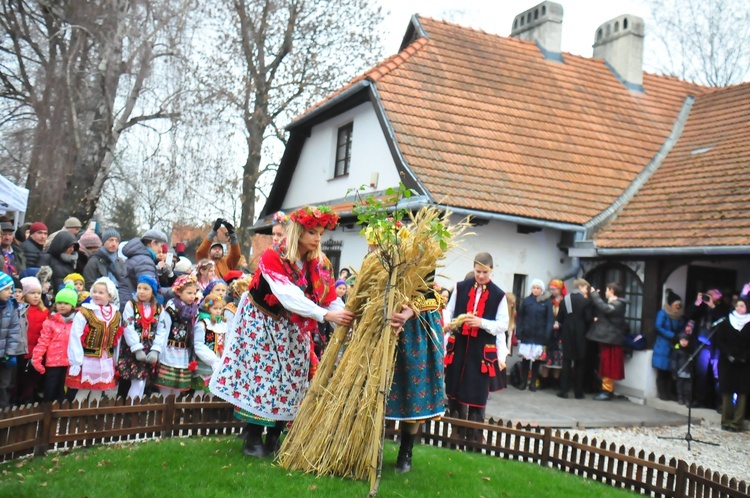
193 366
321 216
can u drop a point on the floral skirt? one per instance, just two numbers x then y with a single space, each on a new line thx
131 369
418 388
554 351
264 367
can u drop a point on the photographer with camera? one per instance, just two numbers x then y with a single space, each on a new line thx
222 231
707 309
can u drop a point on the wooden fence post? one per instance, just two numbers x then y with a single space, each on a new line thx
169 414
546 440
680 482
41 448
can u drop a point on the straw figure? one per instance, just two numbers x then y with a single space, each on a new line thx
339 428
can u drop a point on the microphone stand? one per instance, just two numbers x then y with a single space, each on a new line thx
689 437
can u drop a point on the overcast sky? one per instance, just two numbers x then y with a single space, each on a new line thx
581 18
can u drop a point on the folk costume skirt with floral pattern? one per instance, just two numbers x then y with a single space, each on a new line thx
264 366
418 388
131 369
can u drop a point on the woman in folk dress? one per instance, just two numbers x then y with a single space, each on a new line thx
266 360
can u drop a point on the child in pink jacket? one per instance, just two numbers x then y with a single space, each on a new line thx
53 343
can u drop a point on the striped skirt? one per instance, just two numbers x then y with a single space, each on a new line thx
173 378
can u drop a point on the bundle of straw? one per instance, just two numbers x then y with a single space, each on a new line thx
338 429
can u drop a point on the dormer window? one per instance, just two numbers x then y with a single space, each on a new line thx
343 150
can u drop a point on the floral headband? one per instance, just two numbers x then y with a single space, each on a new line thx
279 218
311 217
210 301
183 281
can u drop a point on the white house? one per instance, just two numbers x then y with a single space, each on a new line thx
569 166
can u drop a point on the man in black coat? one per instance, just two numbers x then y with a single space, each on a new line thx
574 317
33 247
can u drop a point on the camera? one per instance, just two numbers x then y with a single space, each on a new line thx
706 298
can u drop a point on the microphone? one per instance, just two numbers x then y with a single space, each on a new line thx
717 322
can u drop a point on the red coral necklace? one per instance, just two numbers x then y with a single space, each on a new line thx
107 315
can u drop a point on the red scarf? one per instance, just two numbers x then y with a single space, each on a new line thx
146 321
470 308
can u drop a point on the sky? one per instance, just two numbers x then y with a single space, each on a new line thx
581 18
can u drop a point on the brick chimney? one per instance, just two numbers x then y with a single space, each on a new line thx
620 43
542 24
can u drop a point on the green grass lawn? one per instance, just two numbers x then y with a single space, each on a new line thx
216 467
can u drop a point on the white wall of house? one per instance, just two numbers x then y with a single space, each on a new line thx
535 255
313 180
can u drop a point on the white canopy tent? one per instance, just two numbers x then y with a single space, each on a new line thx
13 199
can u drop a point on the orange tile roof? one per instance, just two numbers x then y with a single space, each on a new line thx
487 123
700 195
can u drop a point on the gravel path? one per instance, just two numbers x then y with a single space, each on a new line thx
731 457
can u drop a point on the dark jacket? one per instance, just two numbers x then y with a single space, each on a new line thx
734 358
610 326
53 258
574 316
99 266
535 320
140 261
10 329
32 252
703 316
667 330
678 359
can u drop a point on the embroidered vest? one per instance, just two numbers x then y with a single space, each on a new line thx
264 299
215 334
99 335
178 333
428 301
494 298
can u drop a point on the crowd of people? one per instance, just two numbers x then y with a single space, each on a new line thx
85 314
577 339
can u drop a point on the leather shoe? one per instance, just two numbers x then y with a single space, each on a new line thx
603 396
580 396
562 395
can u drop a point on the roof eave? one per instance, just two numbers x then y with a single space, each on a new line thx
333 102
593 252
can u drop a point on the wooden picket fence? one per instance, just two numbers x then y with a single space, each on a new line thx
37 429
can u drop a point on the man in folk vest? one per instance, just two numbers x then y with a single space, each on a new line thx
472 356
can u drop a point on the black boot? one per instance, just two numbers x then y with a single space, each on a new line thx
254 442
403 462
534 376
524 375
272 439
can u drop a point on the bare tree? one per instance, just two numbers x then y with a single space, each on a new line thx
704 41
268 60
77 74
